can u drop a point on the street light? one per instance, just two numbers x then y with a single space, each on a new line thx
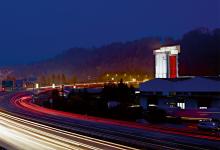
53 86
37 86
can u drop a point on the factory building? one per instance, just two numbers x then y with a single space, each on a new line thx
184 96
166 62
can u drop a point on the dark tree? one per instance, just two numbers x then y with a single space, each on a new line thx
200 53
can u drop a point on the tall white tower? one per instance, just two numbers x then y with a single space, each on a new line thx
166 62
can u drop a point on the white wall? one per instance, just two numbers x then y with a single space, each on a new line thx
161 65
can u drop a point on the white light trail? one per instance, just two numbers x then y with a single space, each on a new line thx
19 133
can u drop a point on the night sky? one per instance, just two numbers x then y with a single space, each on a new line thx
32 30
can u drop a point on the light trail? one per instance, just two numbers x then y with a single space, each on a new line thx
25 103
19 133
82 85
20 136
49 129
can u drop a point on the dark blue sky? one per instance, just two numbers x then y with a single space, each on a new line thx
32 30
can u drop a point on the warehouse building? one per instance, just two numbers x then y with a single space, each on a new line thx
185 96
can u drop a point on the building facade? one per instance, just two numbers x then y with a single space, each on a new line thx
185 96
166 62
197 97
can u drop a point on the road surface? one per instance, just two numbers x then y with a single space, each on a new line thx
32 127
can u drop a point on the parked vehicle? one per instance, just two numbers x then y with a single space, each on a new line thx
210 125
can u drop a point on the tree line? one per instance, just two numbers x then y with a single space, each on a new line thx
56 79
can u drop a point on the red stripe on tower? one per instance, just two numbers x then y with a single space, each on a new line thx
173 66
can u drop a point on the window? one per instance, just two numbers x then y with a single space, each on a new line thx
181 105
202 107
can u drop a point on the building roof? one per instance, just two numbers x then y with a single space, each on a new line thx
185 84
156 85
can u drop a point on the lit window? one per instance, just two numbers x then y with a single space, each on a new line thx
181 105
137 92
202 107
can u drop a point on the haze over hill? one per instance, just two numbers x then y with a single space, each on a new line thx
135 56
200 55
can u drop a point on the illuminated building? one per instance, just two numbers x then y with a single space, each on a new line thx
183 94
193 97
166 62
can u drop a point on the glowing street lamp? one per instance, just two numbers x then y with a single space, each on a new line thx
53 86
37 86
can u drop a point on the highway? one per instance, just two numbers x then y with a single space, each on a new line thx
19 133
26 126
